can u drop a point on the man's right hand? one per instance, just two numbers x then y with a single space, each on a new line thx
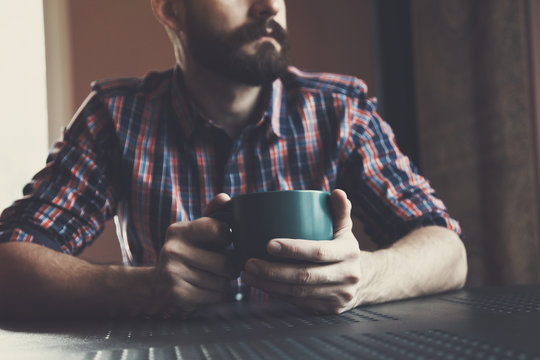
193 268
37 282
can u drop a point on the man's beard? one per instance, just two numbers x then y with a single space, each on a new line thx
223 55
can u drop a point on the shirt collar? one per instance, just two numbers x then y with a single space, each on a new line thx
192 119
276 107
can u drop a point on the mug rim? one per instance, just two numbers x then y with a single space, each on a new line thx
260 193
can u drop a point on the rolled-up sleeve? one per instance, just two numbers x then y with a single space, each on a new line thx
391 198
65 205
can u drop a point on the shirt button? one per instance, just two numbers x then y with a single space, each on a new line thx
238 296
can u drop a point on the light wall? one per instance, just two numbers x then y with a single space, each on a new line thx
23 127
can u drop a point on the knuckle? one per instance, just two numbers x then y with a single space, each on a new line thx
293 251
270 274
171 249
214 226
189 229
353 279
321 254
166 252
168 247
174 229
169 270
354 247
171 231
345 296
303 276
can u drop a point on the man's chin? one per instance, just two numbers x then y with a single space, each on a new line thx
263 67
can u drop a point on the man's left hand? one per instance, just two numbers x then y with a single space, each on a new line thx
330 279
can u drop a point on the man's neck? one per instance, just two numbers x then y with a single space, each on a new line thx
229 104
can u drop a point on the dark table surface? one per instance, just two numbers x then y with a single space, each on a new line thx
484 323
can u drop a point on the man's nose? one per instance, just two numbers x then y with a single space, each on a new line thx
264 9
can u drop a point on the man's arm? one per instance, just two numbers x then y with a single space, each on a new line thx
428 260
38 282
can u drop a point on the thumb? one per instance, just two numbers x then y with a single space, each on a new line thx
341 211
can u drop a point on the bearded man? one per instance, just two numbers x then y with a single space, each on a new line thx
163 152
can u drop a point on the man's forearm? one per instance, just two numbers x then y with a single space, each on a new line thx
337 275
428 260
39 282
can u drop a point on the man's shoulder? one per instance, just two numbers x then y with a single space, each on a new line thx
151 84
296 80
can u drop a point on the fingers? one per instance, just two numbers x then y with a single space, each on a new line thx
331 283
320 251
181 273
190 281
299 274
207 281
179 252
189 296
192 269
202 232
188 276
329 298
183 290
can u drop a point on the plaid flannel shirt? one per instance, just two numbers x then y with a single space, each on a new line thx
140 149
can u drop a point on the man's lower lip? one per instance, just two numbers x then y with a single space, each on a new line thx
267 38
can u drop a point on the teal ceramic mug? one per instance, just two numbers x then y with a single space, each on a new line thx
257 218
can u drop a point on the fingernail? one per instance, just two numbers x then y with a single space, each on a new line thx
251 267
274 247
